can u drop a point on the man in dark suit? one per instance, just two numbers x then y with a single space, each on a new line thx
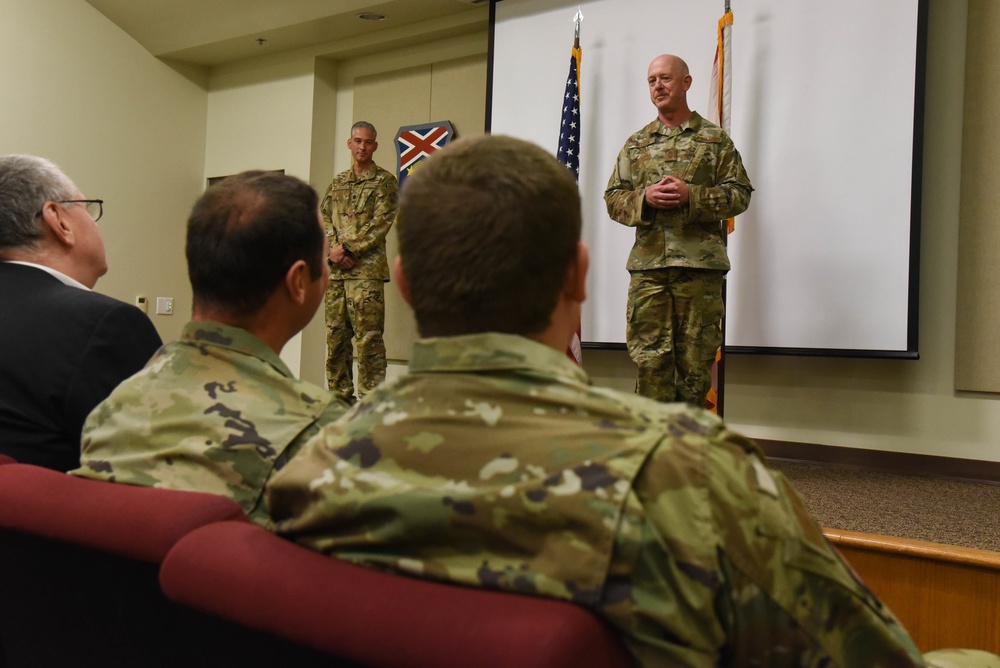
63 348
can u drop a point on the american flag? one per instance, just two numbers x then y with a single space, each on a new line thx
569 147
569 130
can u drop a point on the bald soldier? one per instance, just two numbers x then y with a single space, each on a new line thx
495 463
674 181
218 411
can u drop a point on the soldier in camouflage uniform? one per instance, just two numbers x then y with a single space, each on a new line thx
494 463
674 181
358 209
218 411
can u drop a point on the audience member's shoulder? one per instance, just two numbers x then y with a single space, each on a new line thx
687 436
676 418
329 406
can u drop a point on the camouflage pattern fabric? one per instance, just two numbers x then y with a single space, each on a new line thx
494 463
358 211
700 154
675 350
673 362
355 310
216 411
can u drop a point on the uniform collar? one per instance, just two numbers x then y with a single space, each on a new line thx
492 351
237 339
693 123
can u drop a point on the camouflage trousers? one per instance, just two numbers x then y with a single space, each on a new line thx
355 312
673 329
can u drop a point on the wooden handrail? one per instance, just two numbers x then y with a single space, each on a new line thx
919 549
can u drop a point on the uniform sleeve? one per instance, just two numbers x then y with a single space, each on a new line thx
120 344
787 597
728 195
625 199
326 210
372 233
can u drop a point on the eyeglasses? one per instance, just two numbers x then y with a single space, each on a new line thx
95 207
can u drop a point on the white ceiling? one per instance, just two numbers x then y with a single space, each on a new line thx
214 32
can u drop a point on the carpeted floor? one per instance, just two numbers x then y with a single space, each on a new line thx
940 510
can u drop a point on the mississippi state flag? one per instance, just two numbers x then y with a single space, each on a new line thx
414 143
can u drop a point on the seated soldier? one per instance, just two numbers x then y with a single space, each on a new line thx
494 463
218 411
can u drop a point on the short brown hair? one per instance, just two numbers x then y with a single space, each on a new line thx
488 228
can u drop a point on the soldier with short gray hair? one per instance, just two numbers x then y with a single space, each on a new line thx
495 463
358 209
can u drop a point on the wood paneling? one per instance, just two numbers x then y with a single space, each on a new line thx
945 596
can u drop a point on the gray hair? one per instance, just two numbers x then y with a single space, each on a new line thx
364 124
27 182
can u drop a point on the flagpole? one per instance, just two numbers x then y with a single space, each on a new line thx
720 367
568 151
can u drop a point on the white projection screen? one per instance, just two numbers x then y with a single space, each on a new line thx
827 113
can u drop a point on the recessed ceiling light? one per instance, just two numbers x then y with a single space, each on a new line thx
371 16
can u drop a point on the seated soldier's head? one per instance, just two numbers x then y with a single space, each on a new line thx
489 237
255 242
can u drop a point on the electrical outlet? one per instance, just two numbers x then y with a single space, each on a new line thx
164 305
141 303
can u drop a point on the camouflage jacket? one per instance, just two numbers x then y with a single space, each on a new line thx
358 211
703 156
216 411
494 463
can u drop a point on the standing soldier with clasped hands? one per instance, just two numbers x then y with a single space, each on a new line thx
358 210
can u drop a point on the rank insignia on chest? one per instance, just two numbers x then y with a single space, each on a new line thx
415 143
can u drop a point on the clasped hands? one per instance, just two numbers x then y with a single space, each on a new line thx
339 257
670 192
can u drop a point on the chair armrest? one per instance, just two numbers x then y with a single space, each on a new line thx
140 523
244 573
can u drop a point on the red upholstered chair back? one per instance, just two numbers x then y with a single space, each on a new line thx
244 573
140 523
79 565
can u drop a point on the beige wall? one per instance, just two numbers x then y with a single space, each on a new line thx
122 124
455 91
977 348
287 112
